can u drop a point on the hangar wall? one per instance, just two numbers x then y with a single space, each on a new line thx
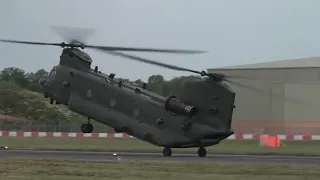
263 106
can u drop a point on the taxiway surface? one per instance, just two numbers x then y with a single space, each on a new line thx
107 156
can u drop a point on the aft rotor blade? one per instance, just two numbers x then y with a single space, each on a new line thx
246 78
277 96
140 59
174 51
30 42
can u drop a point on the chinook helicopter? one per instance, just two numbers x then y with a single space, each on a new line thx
199 113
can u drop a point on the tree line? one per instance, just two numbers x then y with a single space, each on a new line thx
29 80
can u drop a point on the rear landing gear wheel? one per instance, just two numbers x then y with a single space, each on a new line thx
202 152
166 152
86 128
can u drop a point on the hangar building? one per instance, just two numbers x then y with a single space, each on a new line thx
264 107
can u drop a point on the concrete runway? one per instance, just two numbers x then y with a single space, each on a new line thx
107 156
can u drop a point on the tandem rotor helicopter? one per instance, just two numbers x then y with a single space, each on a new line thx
199 114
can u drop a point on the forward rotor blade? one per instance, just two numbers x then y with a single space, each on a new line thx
30 42
174 51
140 59
70 34
108 48
277 96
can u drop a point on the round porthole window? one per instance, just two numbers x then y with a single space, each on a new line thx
113 103
136 112
89 93
160 121
65 83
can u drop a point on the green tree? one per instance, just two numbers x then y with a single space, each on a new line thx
14 75
33 79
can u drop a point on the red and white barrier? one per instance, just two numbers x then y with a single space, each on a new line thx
123 135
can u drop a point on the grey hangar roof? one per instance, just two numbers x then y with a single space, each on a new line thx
310 62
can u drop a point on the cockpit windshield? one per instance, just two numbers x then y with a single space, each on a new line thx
52 73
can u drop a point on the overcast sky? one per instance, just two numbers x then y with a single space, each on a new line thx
234 32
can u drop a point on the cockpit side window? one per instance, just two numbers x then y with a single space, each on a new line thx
53 72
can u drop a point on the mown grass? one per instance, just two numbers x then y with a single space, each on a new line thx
23 169
128 144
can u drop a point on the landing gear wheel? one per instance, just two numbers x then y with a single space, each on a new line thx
51 101
45 95
166 152
86 128
90 128
202 152
118 130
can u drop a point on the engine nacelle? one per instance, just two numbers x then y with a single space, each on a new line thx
176 106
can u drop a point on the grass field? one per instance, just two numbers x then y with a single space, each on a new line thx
22 169
120 144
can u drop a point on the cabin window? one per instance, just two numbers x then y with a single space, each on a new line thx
113 102
136 112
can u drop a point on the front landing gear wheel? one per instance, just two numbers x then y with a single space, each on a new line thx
202 152
166 152
86 128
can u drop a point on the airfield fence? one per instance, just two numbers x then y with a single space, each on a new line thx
51 128
277 127
240 127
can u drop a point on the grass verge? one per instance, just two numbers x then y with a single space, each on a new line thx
21 169
306 148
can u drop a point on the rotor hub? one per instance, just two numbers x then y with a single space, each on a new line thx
213 76
72 45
